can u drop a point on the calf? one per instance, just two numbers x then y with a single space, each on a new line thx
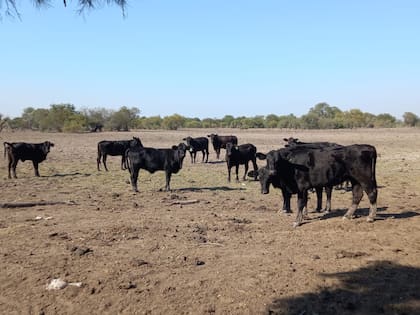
323 168
115 148
198 144
152 160
242 154
219 142
35 152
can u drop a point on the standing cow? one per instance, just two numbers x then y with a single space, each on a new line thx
242 154
114 148
197 144
35 152
321 168
219 142
152 160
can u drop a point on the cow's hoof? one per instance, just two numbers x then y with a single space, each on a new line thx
295 225
348 217
370 219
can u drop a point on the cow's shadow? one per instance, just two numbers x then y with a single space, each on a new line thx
213 188
364 212
68 175
216 162
382 287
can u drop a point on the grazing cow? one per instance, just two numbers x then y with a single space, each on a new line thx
198 144
219 142
242 154
152 160
115 148
323 168
36 152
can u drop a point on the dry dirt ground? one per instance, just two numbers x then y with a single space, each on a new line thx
227 252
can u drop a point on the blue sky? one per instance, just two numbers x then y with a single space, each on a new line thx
210 58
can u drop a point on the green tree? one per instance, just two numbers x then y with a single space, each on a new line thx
410 119
123 119
385 120
173 122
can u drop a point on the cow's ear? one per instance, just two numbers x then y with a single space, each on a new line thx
285 139
261 156
51 144
174 147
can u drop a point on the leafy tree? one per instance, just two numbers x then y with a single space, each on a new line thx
410 119
11 6
271 121
4 122
323 110
385 120
153 122
123 119
96 116
173 122
227 121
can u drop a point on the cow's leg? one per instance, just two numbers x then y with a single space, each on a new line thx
14 164
217 153
98 161
286 201
318 191
168 179
301 203
246 171
134 175
254 164
372 193
328 191
229 167
195 156
237 172
104 161
123 163
357 196
9 167
207 155
36 168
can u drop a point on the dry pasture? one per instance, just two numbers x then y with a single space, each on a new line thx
227 252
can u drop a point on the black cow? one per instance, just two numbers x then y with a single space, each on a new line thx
219 142
152 160
198 144
295 142
322 168
242 154
114 148
35 152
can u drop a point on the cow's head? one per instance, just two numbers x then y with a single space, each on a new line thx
230 149
188 141
136 142
180 150
212 136
264 178
46 146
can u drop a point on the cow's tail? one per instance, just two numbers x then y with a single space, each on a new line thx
127 160
374 165
6 146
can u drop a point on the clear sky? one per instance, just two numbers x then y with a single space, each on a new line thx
210 58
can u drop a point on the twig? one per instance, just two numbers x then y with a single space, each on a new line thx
184 202
33 204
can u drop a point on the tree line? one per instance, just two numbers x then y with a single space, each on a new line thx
65 118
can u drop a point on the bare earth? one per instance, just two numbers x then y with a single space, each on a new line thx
208 246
